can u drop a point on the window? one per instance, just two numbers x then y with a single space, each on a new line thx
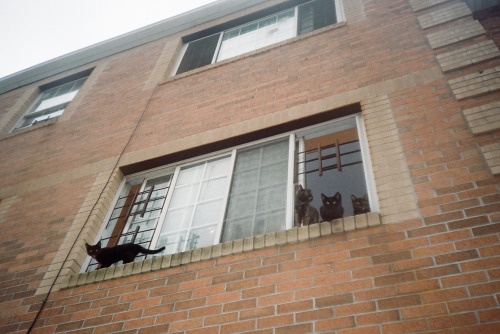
52 100
241 192
259 33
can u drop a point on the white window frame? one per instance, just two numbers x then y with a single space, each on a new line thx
340 17
51 107
174 170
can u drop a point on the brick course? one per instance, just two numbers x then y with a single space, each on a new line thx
449 35
449 12
484 118
469 55
478 83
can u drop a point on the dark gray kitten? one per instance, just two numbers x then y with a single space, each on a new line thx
360 204
108 255
305 213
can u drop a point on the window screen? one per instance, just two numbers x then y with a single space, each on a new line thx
316 15
199 53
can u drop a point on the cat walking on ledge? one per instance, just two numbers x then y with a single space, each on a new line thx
108 255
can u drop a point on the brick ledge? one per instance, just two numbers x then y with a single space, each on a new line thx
294 235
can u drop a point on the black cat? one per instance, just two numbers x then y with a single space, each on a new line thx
108 255
360 204
305 213
332 207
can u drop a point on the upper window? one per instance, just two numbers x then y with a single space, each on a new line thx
52 100
244 191
259 33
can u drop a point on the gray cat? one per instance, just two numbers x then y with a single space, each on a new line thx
305 213
360 204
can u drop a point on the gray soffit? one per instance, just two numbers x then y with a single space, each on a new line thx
124 42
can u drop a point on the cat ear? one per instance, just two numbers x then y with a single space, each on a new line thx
353 198
365 197
300 187
87 245
338 196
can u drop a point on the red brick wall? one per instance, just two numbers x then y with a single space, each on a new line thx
391 279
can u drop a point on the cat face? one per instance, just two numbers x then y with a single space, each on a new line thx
333 201
360 204
94 250
303 195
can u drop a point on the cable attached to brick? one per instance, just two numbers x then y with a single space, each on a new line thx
44 301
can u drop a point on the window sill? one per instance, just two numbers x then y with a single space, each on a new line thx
294 235
29 128
253 53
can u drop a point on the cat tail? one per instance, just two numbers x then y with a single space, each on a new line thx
151 251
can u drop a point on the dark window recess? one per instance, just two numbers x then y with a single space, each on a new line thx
199 53
332 163
324 153
316 15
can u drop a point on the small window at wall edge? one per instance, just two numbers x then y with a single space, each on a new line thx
306 16
52 100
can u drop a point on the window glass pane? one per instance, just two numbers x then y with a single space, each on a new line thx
64 89
190 175
228 49
178 219
213 189
246 42
258 34
208 212
216 169
231 34
184 195
249 28
55 101
258 192
198 53
173 242
201 237
286 15
316 15
270 222
197 204
267 22
146 220
286 26
51 103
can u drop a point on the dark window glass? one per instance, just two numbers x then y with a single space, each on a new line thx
316 15
199 53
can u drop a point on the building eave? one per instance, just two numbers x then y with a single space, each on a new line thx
124 42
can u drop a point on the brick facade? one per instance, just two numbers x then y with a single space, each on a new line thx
424 77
